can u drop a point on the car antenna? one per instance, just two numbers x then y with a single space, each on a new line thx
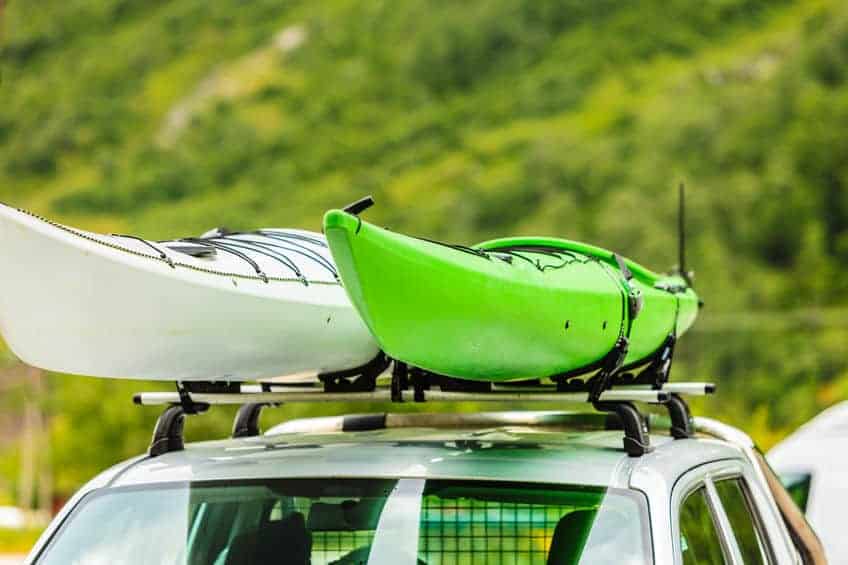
681 235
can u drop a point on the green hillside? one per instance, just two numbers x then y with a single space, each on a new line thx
466 121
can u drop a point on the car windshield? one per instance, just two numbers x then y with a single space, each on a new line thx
322 521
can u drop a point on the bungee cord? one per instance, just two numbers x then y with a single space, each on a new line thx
278 243
236 252
302 251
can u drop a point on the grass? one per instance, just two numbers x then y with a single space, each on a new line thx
18 542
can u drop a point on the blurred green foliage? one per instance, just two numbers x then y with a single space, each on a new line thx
466 121
18 541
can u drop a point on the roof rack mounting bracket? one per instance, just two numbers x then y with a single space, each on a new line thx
246 423
168 433
636 440
400 381
359 379
682 426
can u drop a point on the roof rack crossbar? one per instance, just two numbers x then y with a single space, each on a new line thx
195 398
301 394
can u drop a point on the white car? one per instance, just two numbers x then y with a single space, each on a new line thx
814 467
517 487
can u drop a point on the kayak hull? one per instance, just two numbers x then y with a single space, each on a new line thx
78 303
494 313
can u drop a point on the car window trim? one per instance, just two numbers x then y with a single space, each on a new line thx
685 486
728 536
753 510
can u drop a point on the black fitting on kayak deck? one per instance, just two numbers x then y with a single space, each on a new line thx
636 440
356 208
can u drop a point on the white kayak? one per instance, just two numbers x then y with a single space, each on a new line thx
222 307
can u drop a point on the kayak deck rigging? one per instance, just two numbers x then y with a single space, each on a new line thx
159 254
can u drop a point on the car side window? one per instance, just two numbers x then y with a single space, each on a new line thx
798 486
746 528
699 538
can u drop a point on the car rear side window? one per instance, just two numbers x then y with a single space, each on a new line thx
699 538
798 486
743 521
470 522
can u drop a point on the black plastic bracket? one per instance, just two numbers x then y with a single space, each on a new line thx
358 379
400 380
246 423
681 418
359 206
636 439
168 433
420 383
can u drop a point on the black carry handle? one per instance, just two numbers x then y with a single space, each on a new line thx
359 206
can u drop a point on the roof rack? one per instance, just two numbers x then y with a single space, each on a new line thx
412 384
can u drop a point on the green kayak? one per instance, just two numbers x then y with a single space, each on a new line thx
509 309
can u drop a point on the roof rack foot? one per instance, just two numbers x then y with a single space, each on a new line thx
168 433
636 440
681 417
246 423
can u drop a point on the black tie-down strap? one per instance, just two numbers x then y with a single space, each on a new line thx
611 364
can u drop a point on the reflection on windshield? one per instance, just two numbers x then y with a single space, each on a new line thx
331 521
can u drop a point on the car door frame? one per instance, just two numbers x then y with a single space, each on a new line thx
690 482
756 500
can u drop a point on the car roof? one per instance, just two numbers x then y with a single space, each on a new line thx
485 451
